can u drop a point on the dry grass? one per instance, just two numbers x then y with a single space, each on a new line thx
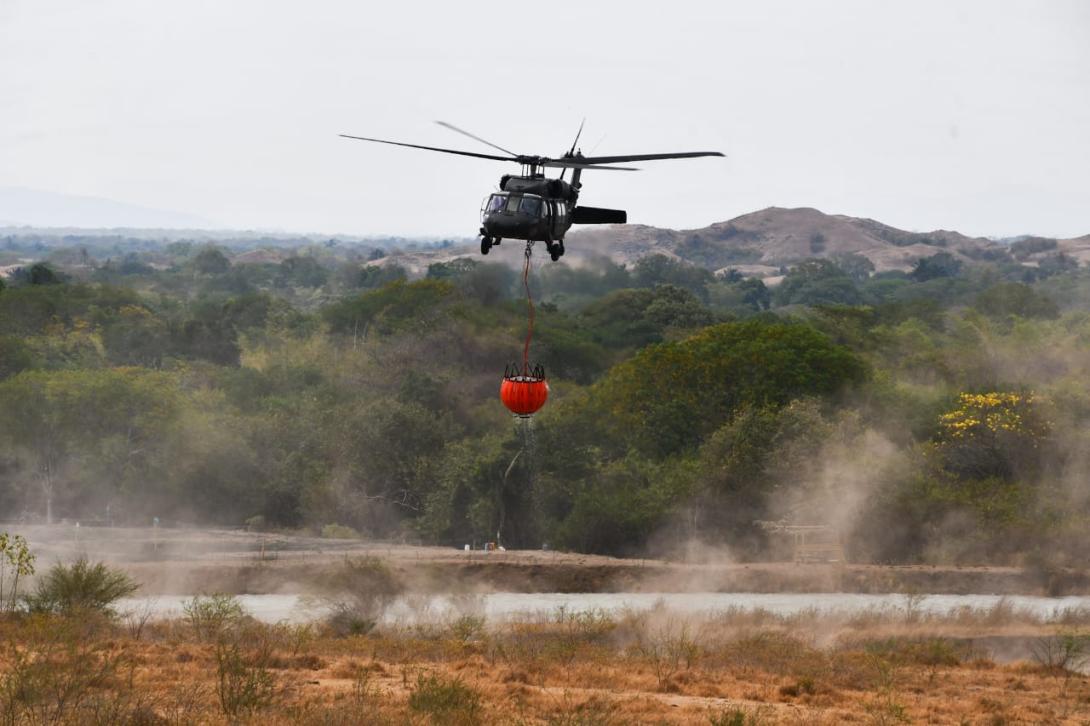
561 668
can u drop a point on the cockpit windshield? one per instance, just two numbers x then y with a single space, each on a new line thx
496 203
515 204
531 206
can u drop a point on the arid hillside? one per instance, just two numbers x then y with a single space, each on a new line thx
761 243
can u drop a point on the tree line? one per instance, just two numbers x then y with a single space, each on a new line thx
933 415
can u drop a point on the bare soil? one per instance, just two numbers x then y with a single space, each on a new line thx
648 668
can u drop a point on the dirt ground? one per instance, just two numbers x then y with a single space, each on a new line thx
170 561
993 666
648 668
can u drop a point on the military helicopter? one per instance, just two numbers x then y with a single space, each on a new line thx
530 206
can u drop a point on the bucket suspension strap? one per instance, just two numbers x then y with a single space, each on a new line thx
529 307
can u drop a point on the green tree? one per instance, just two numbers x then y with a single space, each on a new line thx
1014 298
301 272
15 356
624 503
211 261
652 270
391 308
817 282
638 317
375 276
938 265
53 417
38 274
136 336
856 266
669 396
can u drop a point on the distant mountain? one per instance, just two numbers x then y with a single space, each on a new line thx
760 243
34 208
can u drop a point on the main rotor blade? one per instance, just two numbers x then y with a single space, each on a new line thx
455 129
577 135
571 151
434 148
578 164
645 157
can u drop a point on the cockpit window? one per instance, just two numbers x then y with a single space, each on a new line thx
531 206
496 203
513 204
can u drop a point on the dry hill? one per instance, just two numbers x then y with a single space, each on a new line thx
761 243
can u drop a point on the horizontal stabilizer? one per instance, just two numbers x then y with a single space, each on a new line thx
595 215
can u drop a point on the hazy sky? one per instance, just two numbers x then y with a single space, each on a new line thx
923 114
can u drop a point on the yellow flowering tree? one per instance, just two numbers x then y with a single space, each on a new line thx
993 434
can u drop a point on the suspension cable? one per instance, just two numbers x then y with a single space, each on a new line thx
530 308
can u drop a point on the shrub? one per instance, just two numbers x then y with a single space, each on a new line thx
592 712
211 616
16 562
1064 652
339 531
52 671
467 627
446 701
736 717
666 650
243 680
80 586
357 594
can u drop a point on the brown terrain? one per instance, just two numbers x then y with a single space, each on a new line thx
565 668
218 666
760 243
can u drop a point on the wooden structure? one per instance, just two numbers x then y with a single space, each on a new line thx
810 542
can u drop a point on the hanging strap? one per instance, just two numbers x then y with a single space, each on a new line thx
530 309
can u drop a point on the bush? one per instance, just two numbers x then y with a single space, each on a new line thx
211 616
52 672
16 562
243 680
1066 652
339 531
80 586
467 628
357 594
446 701
736 717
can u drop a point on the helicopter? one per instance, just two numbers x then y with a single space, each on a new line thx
530 206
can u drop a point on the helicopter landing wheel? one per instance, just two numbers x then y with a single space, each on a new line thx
550 247
486 245
560 248
555 252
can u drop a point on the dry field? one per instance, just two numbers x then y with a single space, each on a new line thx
218 666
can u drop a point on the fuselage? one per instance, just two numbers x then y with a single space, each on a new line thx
517 215
529 208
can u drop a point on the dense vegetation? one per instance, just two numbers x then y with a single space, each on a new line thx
938 415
